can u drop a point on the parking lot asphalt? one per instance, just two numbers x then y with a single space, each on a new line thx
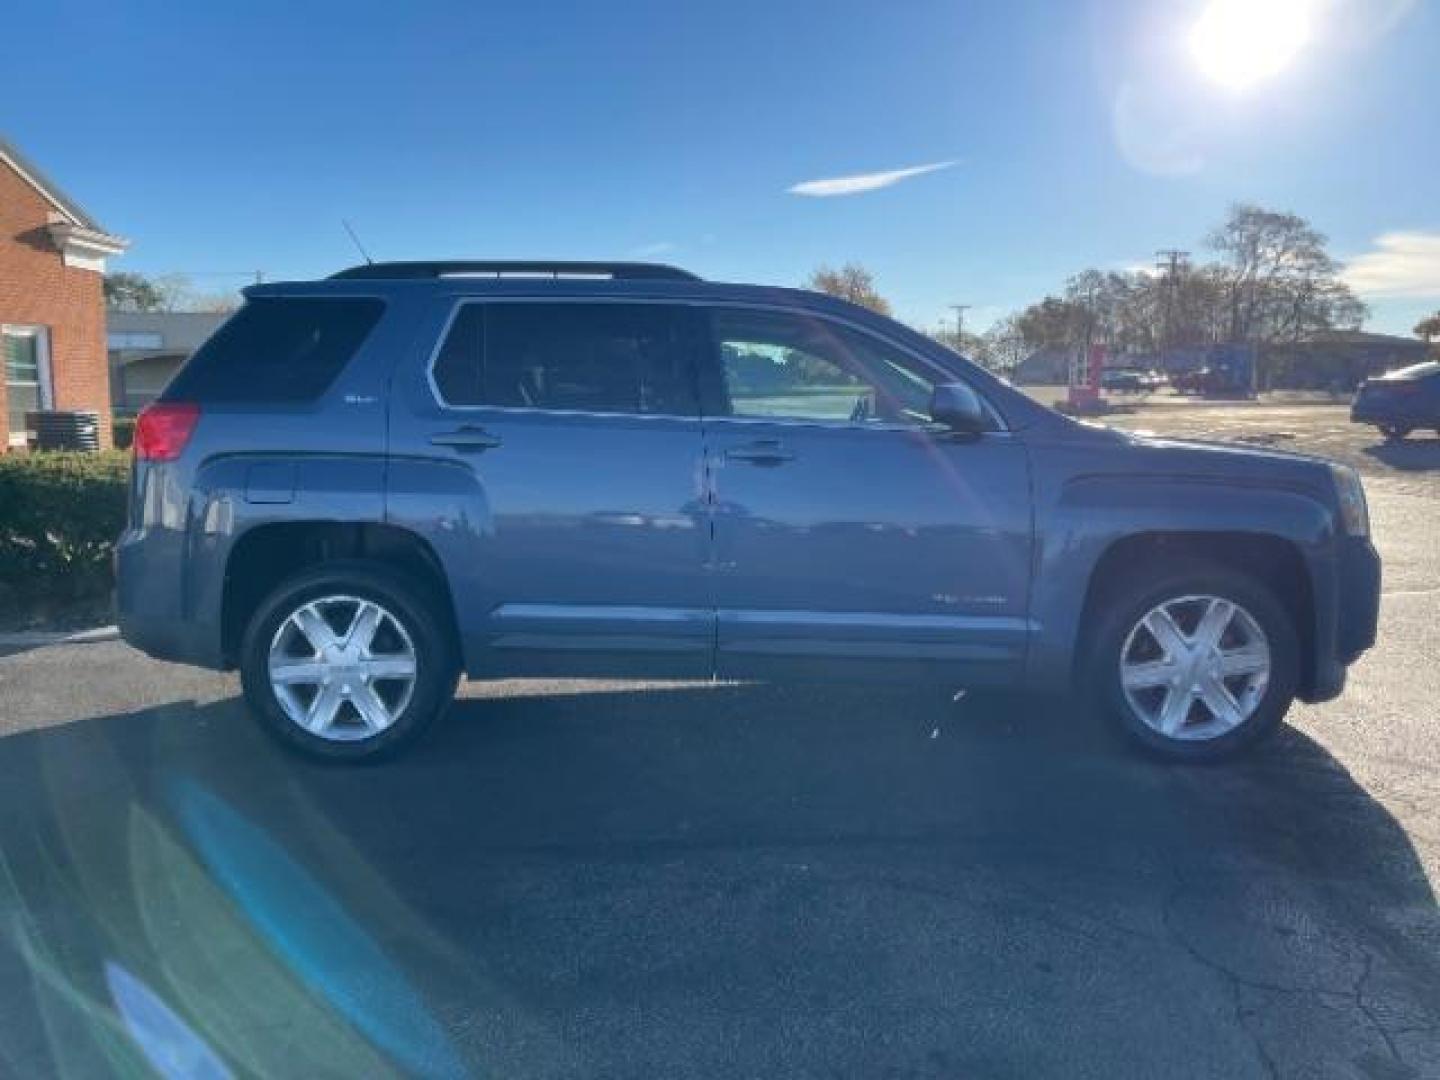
619 879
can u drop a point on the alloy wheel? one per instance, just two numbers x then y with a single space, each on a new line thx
342 668
1195 668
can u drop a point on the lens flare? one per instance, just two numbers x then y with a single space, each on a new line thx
1238 43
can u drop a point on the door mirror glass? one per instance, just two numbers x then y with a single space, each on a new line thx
959 408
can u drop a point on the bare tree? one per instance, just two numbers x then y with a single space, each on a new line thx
1005 345
971 346
1053 322
128 291
1428 329
1277 281
851 282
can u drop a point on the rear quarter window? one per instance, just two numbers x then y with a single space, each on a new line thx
277 349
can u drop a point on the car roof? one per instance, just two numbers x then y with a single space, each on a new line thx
569 280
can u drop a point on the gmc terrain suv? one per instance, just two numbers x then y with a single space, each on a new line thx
360 488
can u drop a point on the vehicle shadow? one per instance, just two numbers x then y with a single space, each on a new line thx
1413 454
695 880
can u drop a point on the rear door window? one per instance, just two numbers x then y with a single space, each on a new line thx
576 357
277 349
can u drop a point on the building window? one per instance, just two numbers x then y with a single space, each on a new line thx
27 375
134 339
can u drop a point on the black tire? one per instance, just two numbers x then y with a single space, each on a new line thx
410 602
1123 609
1395 432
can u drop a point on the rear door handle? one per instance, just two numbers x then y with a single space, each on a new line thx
466 439
761 452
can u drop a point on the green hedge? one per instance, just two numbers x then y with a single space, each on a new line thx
59 517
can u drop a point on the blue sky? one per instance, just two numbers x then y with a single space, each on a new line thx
232 137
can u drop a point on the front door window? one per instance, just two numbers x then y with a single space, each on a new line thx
788 366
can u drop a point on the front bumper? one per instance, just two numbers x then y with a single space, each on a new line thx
1347 625
1359 616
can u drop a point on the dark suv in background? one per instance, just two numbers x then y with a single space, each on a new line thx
362 487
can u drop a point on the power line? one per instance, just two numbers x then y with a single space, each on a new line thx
210 273
960 310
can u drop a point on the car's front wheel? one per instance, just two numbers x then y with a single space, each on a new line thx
348 661
1195 663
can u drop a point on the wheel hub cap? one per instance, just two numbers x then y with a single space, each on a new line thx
1195 667
342 667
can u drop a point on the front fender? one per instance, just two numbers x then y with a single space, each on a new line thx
1092 513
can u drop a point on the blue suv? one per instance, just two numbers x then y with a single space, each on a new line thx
361 488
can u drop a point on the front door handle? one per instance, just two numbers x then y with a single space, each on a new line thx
466 439
761 452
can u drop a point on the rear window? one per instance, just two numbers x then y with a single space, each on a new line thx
278 349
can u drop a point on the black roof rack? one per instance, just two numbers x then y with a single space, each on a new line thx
626 271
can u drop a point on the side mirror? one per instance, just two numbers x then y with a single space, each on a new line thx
959 408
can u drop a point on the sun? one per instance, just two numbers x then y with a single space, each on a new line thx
1238 43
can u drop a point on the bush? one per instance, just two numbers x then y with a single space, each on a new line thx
59 517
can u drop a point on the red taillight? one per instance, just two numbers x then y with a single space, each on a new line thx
163 429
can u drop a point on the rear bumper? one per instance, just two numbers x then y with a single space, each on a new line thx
165 639
150 611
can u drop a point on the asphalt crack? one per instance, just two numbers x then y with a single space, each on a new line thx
1368 1011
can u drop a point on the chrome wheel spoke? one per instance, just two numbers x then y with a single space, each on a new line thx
363 626
1149 674
1247 661
1166 632
1213 624
1174 710
314 628
388 667
1222 705
324 707
373 712
298 672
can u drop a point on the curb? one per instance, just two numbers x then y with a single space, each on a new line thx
39 638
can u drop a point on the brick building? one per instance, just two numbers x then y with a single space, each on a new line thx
52 304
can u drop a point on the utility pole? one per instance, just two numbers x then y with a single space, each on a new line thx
960 310
1169 262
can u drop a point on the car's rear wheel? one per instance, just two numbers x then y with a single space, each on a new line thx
1395 431
348 661
1195 663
